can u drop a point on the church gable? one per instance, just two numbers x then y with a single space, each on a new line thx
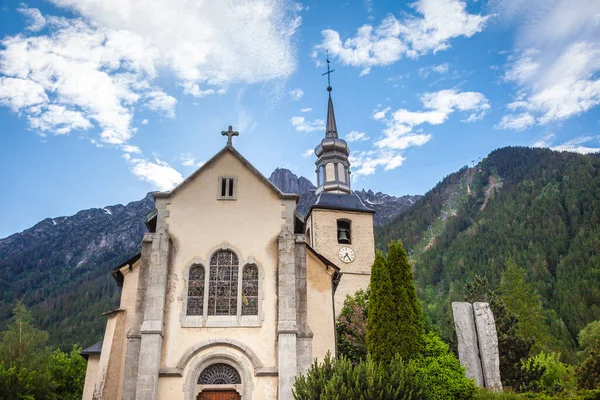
216 160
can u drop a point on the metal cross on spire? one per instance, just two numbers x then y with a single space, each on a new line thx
328 73
230 134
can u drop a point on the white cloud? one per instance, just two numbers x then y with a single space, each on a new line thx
99 67
187 159
544 142
193 89
436 23
365 71
573 145
160 101
442 20
35 18
296 94
399 134
369 47
303 110
517 122
17 93
104 64
128 148
366 162
356 136
441 69
302 125
448 101
145 121
159 173
59 120
557 75
308 153
379 115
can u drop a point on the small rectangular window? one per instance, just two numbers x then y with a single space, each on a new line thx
227 188
223 186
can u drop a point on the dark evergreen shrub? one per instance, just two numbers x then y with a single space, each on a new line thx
342 380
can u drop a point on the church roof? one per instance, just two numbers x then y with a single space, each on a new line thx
337 201
116 273
337 275
93 349
235 153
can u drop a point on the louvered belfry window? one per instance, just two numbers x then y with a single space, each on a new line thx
250 290
195 301
223 280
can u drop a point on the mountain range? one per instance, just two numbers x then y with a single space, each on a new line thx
536 208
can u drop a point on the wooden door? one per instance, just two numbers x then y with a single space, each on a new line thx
219 395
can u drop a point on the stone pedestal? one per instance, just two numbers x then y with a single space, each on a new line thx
488 346
468 350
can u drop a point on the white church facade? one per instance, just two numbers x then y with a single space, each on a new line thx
233 295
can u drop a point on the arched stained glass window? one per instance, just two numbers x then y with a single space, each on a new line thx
250 290
219 374
195 300
223 279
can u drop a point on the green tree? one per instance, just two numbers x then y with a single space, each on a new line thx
439 372
23 350
556 376
68 373
409 321
351 327
383 340
588 338
520 299
16 384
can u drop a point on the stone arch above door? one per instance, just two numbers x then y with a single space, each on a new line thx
229 361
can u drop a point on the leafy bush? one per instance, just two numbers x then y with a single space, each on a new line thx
483 394
556 376
351 327
439 372
341 380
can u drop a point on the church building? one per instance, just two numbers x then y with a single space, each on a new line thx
233 294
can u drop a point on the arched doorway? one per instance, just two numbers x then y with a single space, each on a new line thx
220 382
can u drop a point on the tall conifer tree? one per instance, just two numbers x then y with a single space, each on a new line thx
406 303
383 337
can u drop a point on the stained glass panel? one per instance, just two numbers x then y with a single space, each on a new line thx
222 290
250 290
195 300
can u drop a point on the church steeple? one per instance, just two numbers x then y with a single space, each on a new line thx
331 126
333 167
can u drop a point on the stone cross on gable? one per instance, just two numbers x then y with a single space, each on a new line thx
230 134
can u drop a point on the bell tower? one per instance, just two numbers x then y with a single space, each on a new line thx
339 226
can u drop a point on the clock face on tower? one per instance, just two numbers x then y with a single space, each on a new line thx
346 254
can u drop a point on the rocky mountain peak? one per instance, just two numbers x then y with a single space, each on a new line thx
288 182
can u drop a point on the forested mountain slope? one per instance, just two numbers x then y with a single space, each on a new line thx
539 207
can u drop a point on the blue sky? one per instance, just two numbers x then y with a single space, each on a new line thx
104 101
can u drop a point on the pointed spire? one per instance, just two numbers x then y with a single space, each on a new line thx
331 131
